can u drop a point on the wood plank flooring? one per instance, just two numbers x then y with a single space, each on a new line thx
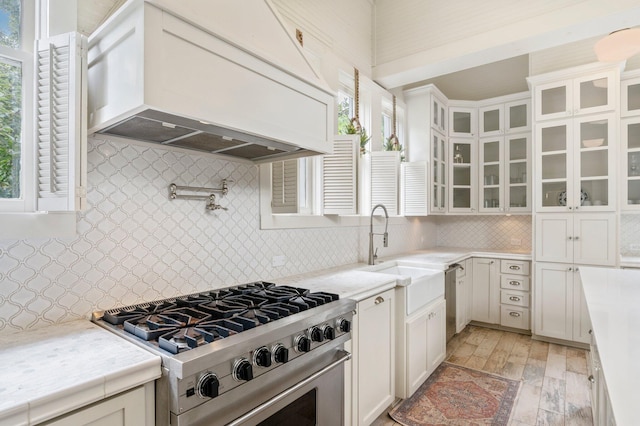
554 390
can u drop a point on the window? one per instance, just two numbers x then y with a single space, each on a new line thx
16 40
345 112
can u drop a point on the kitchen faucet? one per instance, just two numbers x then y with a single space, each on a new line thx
385 236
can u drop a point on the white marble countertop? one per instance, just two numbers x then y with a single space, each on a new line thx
50 371
629 261
613 298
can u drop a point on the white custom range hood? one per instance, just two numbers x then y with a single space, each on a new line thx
219 76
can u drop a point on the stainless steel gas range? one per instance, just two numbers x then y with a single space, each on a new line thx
246 355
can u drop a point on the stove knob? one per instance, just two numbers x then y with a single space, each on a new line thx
262 357
208 386
316 334
242 370
344 325
329 332
302 344
280 354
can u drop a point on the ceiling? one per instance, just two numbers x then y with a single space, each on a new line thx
93 13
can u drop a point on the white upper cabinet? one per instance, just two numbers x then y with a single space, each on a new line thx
462 175
463 121
575 165
505 173
587 94
630 96
439 116
630 162
438 176
505 115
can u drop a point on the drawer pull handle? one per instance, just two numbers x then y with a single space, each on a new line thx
514 314
379 300
592 379
514 298
514 282
514 267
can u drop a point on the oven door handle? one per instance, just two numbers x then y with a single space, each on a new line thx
345 356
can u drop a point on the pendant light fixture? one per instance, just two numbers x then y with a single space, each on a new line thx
355 121
619 45
393 138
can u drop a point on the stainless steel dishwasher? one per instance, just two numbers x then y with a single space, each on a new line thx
450 297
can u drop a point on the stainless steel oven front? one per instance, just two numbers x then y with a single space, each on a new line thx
309 393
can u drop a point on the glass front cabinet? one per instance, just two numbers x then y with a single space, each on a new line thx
630 138
577 96
505 174
462 176
438 174
576 164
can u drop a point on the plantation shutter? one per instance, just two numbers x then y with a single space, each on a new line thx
284 186
339 178
60 123
414 188
385 170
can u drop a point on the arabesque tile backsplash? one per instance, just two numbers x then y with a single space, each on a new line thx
134 245
485 232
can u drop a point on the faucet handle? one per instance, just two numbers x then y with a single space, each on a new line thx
385 239
375 255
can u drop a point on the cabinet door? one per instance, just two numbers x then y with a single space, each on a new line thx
462 121
491 194
594 238
581 320
517 180
436 336
461 303
438 174
554 237
594 163
553 100
630 136
376 356
462 176
517 116
486 291
630 97
554 166
553 296
491 120
439 116
595 93
417 348
125 409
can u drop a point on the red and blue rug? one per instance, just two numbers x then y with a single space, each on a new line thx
455 395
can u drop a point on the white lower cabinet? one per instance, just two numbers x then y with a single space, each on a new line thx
486 291
125 409
463 296
600 402
373 364
560 310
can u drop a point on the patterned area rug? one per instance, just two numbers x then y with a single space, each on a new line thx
455 395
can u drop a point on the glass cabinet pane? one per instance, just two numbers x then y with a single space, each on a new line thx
491 120
518 116
491 198
554 194
461 153
554 138
554 166
594 93
461 122
633 164
594 134
554 100
594 163
518 196
491 151
518 172
633 136
634 192
594 192
462 176
517 149
462 198
435 111
633 97
491 175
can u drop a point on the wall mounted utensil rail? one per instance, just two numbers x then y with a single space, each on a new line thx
210 198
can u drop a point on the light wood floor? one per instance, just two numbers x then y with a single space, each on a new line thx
554 390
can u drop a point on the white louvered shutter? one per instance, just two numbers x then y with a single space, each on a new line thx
284 186
60 67
415 188
385 171
339 177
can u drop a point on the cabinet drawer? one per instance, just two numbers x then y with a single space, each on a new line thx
517 267
514 282
514 316
514 297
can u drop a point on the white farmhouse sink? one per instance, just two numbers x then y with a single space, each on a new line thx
423 285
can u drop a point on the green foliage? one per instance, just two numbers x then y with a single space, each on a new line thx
389 145
10 129
10 36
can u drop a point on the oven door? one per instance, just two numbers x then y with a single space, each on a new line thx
310 393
